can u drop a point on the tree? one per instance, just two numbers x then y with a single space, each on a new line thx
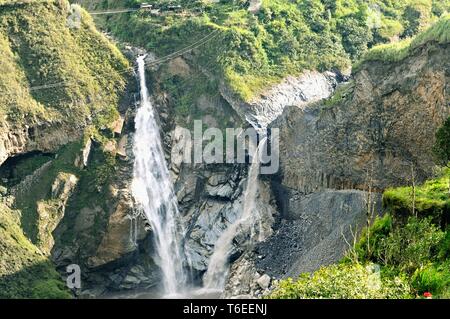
417 15
315 15
441 148
355 36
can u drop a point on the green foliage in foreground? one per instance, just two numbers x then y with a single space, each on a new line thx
405 247
433 277
413 253
344 281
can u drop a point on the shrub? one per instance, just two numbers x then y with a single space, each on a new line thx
344 281
434 278
390 29
355 36
410 247
416 15
369 246
444 247
441 148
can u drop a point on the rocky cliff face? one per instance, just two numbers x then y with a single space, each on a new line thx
263 110
373 133
36 94
382 122
44 137
55 97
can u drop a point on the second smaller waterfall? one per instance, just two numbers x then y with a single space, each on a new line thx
249 220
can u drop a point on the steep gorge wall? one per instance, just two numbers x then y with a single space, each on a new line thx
384 123
57 76
62 89
371 133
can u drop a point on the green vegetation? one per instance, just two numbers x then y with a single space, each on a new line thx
405 248
84 72
433 277
342 92
345 281
413 253
441 148
250 52
394 52
25 272
57 71
431 199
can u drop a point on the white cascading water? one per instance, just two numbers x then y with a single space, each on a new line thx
154 194
218 267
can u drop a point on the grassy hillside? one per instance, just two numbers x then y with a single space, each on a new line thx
52 71
57 69
439 33
252 51
431 199
25 272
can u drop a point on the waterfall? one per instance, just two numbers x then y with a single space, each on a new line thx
249 220
153 192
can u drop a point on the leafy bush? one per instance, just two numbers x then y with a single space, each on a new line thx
441 148
444 248
389 29
416 15
412 246
434 278
355 36
344 281
403 247
368 248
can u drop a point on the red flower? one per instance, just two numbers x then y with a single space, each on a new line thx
427 294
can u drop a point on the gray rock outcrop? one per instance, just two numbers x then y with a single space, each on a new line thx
264 109
383 125
317 230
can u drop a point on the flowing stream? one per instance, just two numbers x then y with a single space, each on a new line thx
249 220
154 194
